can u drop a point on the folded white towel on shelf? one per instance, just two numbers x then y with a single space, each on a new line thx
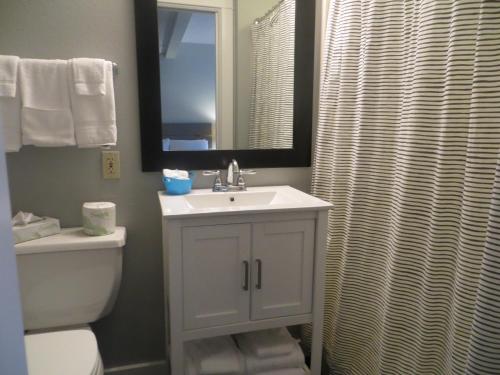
8 75
46 118
88 76
286 371
190 365
267 343
255 365
214 356
94 115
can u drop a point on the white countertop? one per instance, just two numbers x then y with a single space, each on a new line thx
285 198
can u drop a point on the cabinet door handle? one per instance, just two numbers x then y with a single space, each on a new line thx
245 281
259 274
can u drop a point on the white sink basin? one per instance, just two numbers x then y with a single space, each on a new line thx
204 202
222 200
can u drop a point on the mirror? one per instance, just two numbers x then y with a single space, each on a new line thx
225 78
199 47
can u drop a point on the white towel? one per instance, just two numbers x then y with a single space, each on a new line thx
10 122
176 173
46 115
287 371
215 356
189 365
94 116
8 75
88 76
10 103
267 343
255 365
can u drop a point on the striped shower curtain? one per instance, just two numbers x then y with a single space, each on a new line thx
407 149
273 62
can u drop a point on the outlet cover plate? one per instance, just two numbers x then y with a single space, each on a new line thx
111 164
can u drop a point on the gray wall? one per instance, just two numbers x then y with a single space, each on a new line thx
55 181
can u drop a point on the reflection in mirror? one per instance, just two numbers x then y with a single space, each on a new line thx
188 74
266 120
204 105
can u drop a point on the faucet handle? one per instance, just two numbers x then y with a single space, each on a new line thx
211 173
241 181
217 182
248 171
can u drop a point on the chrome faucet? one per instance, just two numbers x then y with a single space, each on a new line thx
234 178
233 173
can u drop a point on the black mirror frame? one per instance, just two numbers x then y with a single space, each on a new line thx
148 69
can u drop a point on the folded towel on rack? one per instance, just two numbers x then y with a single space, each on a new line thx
267 343
88 76
8 76
255 365
10 105
46 118
10 122
94 116
214 356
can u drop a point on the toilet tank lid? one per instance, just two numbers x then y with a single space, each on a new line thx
72 239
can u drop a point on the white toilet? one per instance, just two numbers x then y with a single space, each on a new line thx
67 281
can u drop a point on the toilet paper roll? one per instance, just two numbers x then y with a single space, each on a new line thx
99 218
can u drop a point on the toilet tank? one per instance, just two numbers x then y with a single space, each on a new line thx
69 278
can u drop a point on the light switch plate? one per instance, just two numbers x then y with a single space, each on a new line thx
111 164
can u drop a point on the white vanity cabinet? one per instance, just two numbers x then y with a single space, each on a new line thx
215 274
283 260
242 269
241 272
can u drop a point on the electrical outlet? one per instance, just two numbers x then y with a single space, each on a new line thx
111 164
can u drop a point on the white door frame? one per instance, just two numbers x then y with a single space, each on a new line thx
224 10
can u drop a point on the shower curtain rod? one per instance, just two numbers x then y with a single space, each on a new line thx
260 19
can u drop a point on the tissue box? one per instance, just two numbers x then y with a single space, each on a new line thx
46 227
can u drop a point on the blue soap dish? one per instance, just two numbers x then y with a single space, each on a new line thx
175 186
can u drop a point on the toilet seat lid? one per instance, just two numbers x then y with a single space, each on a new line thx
63 352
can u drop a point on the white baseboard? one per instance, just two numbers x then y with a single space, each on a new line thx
145 368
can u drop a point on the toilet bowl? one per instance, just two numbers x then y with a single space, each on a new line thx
67 281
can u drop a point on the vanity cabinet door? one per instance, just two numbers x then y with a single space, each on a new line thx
216 272
282 275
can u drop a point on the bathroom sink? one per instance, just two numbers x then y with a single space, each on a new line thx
204 202
222 200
